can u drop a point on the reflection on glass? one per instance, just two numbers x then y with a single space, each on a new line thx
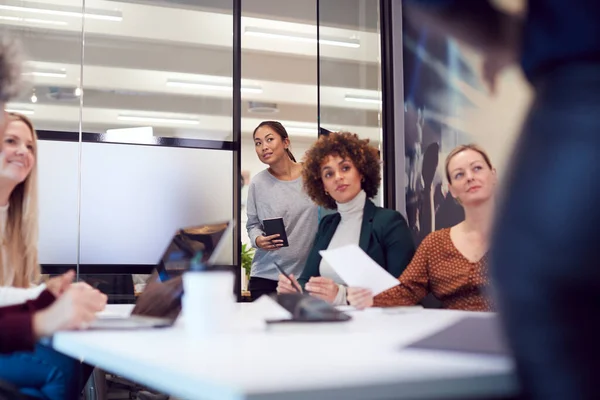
51 35
279 55
175 80
350 77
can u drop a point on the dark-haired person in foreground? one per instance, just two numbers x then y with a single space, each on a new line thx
10 75
343 172
544 255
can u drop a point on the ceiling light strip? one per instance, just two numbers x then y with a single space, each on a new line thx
158 120
301 37
46 9
33 20
212 86
362 99
47 73
19 111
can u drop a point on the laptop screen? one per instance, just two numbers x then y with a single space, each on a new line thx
204 241
162 295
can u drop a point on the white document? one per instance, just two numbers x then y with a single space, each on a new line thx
357 269
267 309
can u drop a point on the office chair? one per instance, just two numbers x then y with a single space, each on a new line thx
102 386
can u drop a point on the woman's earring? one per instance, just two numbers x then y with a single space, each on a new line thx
326 193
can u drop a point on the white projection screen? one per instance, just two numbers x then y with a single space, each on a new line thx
133 198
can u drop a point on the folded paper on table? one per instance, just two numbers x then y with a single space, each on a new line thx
268 309
357 269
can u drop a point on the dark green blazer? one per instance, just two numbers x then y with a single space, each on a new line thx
384 236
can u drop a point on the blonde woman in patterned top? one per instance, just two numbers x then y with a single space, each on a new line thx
450 263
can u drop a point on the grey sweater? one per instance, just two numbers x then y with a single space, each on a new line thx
269 197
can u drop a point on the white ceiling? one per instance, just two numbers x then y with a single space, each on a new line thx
134 58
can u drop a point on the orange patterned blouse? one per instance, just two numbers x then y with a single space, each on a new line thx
438 267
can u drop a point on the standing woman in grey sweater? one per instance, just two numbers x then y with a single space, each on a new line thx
277 192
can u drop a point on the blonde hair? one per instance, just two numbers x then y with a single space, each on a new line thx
21 232
460 149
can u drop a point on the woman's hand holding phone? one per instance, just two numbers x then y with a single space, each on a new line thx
269 243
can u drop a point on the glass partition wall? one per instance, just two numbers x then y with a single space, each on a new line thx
133 104
350 70
145 111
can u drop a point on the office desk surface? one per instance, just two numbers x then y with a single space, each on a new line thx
359 359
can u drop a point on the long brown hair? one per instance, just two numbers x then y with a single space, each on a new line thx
280 130
21 232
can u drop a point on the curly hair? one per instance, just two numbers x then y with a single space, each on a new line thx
10 69
346 145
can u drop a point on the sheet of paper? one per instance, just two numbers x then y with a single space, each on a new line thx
357 269
115 310
268 309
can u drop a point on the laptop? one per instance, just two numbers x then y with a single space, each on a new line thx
159 304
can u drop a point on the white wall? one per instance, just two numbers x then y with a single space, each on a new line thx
133 198
58 190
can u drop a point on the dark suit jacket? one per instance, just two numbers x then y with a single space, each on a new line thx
384 236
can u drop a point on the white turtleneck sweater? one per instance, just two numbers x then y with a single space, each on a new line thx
347 232
11 295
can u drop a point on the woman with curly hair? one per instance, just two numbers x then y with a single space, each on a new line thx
343 172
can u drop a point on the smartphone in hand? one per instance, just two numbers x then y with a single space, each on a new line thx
274 226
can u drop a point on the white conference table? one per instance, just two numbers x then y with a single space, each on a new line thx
359 359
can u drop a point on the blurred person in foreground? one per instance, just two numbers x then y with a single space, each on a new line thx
544 264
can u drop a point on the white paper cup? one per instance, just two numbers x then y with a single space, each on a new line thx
208 303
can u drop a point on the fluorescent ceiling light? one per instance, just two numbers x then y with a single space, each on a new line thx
45 21
363 99
33 20
301 37
48 73
227 87
19 111
142 135
158 120
62 11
